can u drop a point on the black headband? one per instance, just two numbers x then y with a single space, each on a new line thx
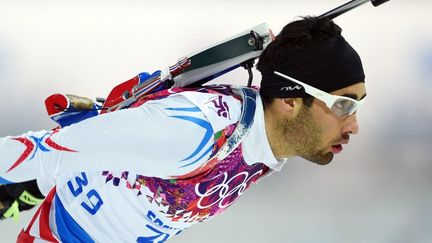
330 65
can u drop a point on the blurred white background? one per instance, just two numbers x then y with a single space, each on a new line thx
378 190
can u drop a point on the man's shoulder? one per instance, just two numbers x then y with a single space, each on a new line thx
220 107
221 104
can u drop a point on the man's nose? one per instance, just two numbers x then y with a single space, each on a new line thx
351 125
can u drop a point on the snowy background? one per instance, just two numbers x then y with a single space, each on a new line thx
378 190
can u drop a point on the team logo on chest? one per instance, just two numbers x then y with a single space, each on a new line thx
225 193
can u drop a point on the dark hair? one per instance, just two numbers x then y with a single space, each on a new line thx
294 37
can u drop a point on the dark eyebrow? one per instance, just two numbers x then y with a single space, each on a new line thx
354 96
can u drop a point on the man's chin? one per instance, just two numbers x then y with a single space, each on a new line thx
321 159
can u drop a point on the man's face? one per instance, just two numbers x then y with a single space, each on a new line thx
316 133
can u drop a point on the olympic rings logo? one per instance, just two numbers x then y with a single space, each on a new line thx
224 190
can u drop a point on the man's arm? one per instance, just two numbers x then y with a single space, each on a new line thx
162 138
18 155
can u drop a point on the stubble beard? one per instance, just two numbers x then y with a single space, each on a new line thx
304 136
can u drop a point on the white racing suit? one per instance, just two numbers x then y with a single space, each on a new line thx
141 174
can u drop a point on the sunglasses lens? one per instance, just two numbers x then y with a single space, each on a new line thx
342 107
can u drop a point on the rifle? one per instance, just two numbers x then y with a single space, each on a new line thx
192 70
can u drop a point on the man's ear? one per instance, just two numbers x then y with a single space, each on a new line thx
289 106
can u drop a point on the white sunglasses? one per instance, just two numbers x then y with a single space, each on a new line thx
340 105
